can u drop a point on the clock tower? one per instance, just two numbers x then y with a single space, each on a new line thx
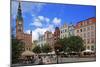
19 22
20 34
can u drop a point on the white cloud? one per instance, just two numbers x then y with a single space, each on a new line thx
36 22
27 7
40 31
34 36
56 21
41 18
37 32
51 28
47 19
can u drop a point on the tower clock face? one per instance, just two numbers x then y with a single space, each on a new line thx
20 22
19 26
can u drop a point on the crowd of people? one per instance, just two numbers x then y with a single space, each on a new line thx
45 59
36 59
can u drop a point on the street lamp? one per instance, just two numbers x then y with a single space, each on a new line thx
57 56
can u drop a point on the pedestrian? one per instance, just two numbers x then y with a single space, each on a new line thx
40 61
36 60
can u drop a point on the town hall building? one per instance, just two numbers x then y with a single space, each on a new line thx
20 35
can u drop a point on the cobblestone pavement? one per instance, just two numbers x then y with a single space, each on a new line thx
67 60
60 60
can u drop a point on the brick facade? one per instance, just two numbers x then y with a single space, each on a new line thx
20 35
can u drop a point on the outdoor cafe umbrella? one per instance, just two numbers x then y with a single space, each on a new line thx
28 53
53 52
88 51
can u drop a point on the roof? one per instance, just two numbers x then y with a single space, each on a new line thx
88 50
85 22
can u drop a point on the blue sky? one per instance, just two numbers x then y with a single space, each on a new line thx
40 17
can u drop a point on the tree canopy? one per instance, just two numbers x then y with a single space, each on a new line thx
70 44
46 48
75 44
17 48
37 49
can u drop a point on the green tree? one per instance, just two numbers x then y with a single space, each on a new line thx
61 45
58 46
17 48
75 43
37 49
46 48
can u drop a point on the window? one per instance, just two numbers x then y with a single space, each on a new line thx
19 30
85 41
26 48
88 47
88 28
77 31
81 24
92 47
84 29
29 49
65 30
90 21
85 47
88 41
88 34
61 31
92 40
92 34
84 35
80 30
92 28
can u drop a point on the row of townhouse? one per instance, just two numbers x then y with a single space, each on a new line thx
47 38
50 38
67 31
86 29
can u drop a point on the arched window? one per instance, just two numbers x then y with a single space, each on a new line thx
88 47
92 47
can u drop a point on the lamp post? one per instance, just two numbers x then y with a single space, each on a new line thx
57 56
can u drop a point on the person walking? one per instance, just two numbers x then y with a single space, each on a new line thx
40 61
